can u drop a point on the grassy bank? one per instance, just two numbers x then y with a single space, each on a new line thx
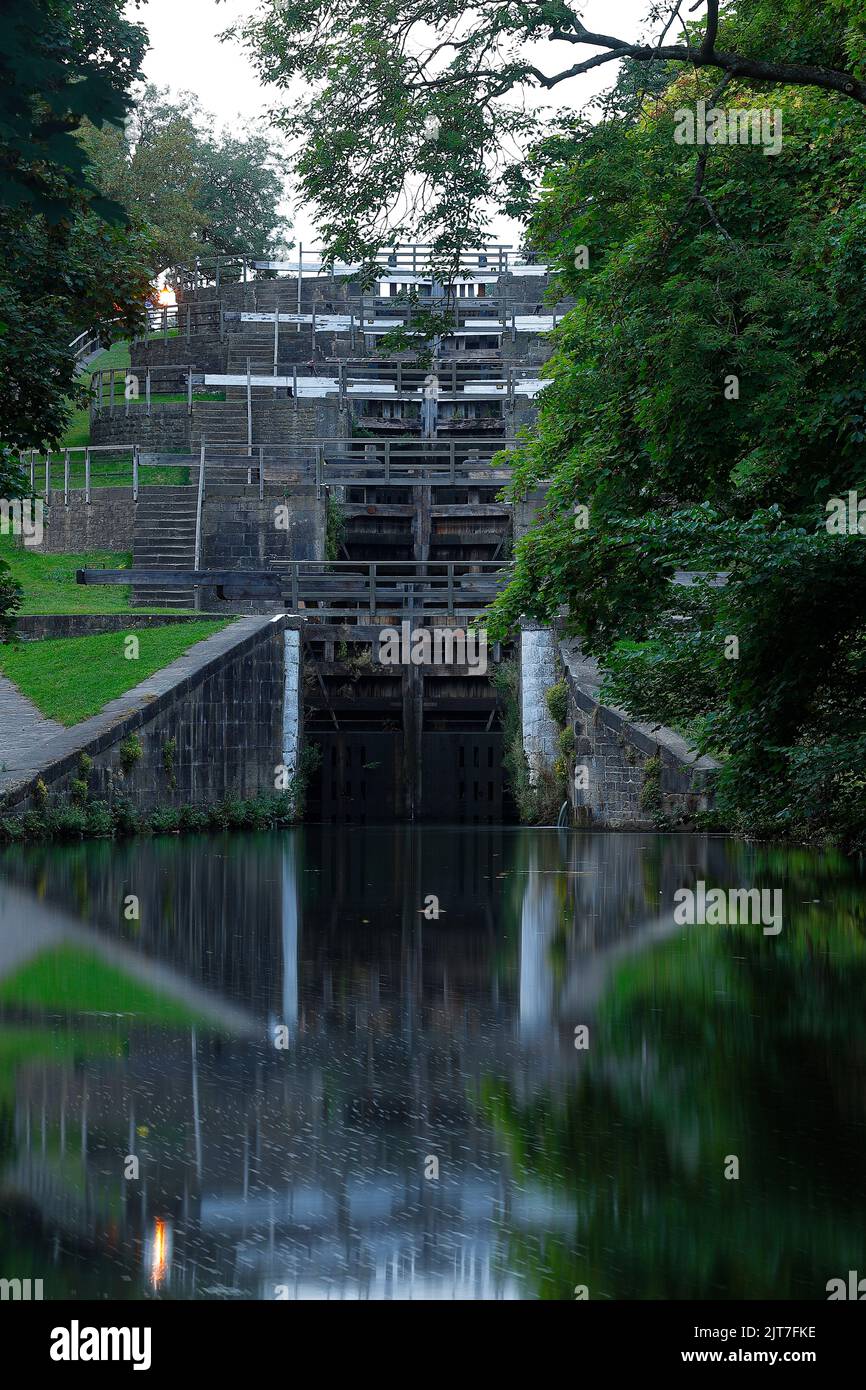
78 429
48 581
72 678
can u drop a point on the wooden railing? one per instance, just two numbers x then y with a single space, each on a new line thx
375 590
324 463
413 258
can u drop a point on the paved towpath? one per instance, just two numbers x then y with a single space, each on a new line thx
23 728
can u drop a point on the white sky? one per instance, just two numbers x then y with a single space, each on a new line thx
186 55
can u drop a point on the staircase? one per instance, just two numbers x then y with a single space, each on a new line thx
274 421
164 539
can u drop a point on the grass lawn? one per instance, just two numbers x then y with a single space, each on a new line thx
109 469
72 678
78 429
48 581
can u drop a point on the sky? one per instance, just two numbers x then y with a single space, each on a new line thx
186 55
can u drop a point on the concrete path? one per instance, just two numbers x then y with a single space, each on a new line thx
23 728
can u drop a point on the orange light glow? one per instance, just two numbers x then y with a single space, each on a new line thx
167 296
159 1255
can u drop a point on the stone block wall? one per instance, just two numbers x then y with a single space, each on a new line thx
240 533
32 628
203 351
104 523
167 428
635 772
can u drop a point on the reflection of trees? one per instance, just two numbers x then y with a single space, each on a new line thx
718 1042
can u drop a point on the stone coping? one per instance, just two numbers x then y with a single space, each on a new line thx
36 626
585 679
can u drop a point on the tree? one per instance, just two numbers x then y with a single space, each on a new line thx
706 405
194 193
61 61
410 108
66 259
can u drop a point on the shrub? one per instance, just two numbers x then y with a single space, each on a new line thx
557 702
169 751
130 752
78 791
651 790
100 821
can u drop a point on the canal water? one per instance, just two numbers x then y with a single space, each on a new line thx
431 1063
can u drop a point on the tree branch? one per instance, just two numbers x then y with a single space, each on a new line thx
707 56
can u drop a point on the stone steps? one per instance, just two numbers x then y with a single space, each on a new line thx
164 539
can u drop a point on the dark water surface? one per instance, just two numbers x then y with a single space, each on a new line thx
288 1049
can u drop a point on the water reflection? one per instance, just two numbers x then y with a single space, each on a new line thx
253 1067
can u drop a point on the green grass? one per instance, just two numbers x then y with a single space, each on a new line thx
107 470
48 581
72 678
78 429
70 980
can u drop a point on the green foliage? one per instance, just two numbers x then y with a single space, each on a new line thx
60 62
651 790
405 115
99 820
130 752
556 699
335 528
756 282
196 192
362 116
68 259
567 742
10 601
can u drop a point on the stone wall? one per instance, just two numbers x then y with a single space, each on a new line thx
539 670
203 351
634 772
210 725
104 523
35 627
240 533
622 774
166 428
